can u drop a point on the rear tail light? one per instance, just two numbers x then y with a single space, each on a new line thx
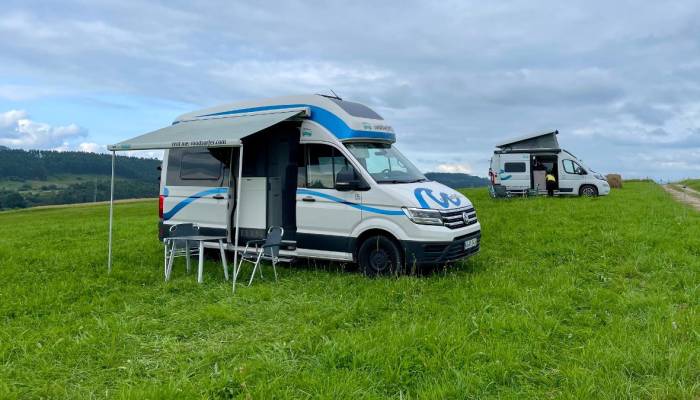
161 199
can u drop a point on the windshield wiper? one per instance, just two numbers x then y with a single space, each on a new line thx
401 180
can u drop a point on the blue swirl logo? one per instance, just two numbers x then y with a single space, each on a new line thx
443 201
503 176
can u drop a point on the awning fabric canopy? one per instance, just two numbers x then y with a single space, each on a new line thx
214 132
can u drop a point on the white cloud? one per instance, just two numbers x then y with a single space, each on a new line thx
90 147
18 130
483 73
453 168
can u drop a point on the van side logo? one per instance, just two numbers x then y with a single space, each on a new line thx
444 200
503 176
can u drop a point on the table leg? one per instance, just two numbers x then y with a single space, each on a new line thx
200 270
187 254
223 258
165 258
169 267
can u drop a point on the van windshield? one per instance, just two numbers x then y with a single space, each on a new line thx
385 163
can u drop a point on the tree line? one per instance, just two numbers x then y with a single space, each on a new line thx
41 164
135 177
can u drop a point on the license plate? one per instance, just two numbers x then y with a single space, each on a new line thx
468 244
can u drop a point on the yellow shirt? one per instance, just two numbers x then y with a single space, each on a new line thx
551 178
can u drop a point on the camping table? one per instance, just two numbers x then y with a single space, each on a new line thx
201 239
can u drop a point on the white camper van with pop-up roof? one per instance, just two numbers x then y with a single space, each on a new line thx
326 171
519 167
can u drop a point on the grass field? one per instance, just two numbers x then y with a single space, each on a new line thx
569 298
692 183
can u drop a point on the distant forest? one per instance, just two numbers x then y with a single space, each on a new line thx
40 164
36 177
457 180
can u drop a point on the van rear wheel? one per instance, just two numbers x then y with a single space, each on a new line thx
378 255
588 191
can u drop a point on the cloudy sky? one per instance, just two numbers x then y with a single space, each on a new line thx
619 80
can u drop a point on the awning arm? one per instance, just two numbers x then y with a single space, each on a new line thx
238 208
111 213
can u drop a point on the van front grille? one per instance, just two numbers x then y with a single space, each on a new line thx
455 219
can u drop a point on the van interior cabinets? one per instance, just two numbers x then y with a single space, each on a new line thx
541 163
272 154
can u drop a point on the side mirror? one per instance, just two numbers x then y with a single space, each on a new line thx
346 180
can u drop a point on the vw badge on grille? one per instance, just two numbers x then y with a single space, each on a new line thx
465 218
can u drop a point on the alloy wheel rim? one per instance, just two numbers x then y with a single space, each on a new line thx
379 259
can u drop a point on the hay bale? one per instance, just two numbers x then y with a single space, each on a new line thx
615 180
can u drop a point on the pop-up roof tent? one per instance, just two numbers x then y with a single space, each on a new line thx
216 131
546 141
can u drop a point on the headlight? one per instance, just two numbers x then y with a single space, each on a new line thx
423 216
600 176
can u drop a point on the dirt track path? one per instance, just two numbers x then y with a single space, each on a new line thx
684 195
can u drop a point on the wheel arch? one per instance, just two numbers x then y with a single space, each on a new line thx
591 185
375 232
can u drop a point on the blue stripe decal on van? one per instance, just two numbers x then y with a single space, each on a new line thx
325 118
184 203
349 203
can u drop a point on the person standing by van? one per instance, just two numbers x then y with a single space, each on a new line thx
551 183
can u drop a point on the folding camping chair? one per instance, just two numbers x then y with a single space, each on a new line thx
267 249
500 191
185 240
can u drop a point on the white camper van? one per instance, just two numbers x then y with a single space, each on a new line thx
329 174
519 166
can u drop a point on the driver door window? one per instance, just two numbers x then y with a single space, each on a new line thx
322 165
319 167
571 167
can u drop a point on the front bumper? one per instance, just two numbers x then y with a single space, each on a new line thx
432 253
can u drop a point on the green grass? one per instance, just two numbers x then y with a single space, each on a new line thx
569 298
692 183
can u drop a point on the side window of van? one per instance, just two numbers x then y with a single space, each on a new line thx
194 167
571 167
323 163
301 162
319 166
514 167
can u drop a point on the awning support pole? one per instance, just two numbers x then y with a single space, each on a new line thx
237 210
111 213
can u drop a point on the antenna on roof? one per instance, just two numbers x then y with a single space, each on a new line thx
335 95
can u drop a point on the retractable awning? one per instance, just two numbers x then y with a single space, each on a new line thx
213 132
223 131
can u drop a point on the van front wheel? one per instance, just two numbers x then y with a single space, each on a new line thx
379 255
588 191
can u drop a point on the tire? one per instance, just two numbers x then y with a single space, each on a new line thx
588 191
379 256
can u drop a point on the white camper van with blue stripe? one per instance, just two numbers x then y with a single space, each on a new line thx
324 169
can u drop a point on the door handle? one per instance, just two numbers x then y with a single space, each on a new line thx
218 197
308 199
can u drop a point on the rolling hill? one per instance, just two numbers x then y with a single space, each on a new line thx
37 177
